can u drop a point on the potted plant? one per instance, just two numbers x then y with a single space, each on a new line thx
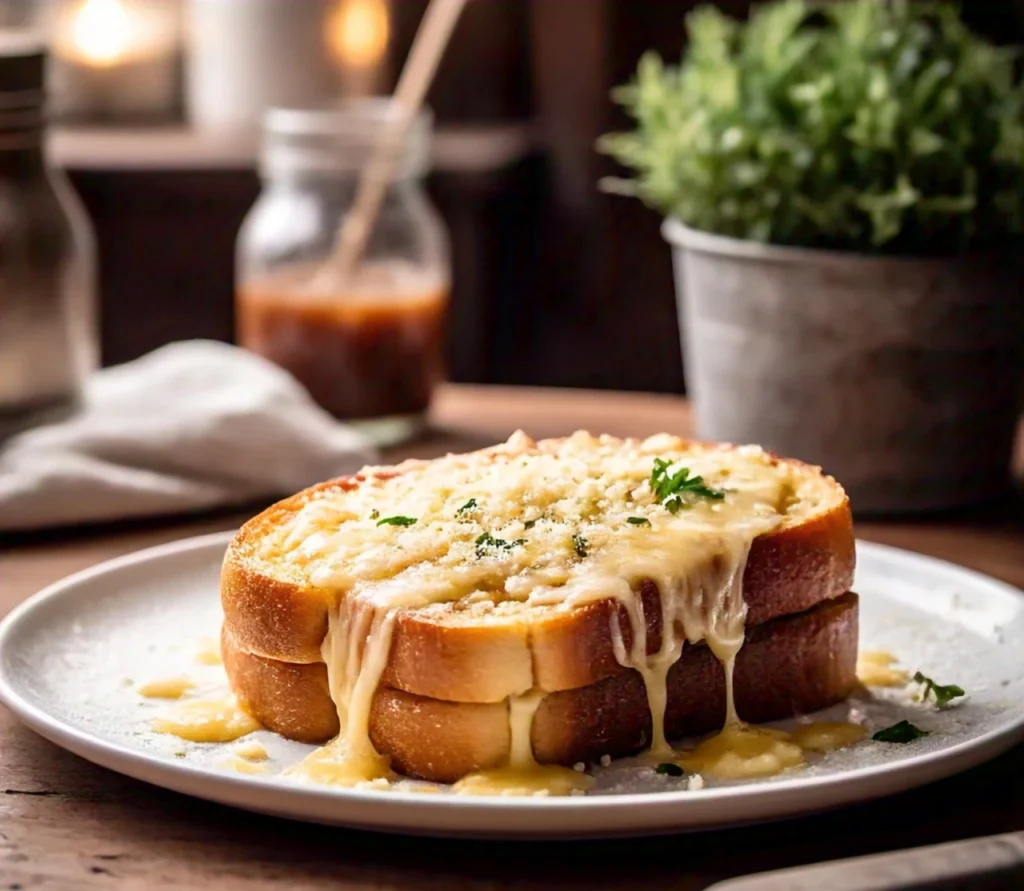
843 187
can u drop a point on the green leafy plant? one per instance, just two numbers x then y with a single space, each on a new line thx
880 126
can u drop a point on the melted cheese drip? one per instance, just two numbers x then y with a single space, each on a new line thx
874 669
355 652
541 501
523 776
208 721
701 600
166 688
340 764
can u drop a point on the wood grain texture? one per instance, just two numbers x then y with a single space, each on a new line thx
67 824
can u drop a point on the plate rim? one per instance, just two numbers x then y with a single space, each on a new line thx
150 768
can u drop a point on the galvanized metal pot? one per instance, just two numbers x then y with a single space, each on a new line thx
900 377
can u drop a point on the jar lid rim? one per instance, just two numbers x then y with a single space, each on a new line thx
339 137
338 117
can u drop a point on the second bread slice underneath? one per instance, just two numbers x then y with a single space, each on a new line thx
789 666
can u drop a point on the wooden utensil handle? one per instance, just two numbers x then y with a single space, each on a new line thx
428 48
992 863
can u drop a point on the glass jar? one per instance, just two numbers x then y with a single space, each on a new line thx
370 349
47 335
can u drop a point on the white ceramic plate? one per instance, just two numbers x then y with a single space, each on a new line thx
69 657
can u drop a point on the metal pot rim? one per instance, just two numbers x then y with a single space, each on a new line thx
680 235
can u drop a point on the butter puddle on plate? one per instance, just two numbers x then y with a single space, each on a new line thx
875 669
166 688
208 652
250 751
208 721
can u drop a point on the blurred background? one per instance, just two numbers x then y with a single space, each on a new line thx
553 282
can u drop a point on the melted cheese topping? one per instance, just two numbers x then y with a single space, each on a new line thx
535 496
875 669
560 523
166 688
215 720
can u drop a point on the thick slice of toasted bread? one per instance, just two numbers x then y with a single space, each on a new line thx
792 665
485 650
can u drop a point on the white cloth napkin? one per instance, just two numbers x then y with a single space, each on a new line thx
193 425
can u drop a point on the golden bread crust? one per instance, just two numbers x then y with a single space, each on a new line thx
792 665
290 698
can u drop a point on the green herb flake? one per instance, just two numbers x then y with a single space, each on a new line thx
678 490
944 694
580 545
669 769
486 541
638 521
529 524
374 514
396 521
467 507
903 732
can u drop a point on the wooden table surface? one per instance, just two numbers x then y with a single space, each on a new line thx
65 823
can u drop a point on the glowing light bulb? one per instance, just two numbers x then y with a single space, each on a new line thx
358 32
101 32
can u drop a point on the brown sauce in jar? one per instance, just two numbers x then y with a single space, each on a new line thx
376 350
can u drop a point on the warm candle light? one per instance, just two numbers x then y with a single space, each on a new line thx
114 58
358 32
101 32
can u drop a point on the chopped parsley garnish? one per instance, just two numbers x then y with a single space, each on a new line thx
677 490
580 544
669 769
943 694
468 506
903 732
396 521
374 514
485 540
638 521
529 524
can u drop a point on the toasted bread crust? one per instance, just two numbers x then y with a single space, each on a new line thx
285 619
792 665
